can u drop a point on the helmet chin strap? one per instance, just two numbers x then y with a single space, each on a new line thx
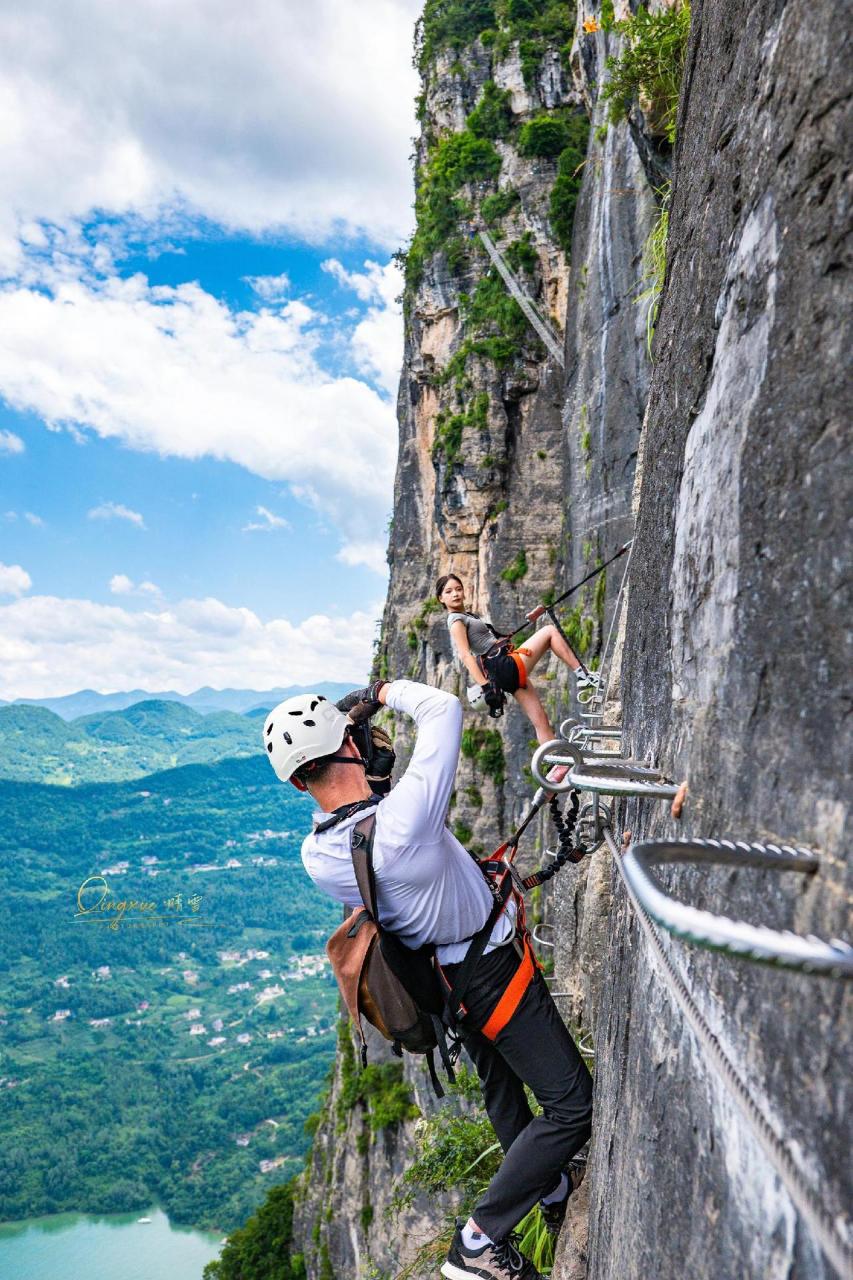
301 786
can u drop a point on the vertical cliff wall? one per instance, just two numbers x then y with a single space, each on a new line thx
734 660
520 475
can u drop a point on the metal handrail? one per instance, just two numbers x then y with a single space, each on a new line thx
822 1223
719 932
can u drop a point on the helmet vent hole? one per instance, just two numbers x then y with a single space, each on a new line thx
313 704
269 729
269 747
295 713
309 723
287 739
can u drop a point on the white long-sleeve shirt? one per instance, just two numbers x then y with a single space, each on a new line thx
428 889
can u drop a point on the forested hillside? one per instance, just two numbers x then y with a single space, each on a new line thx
36 745
198 1027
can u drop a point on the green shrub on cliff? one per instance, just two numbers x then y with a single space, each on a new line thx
543 136
492 116
566 189
457 159
450 24
650 67
497 206
260 1249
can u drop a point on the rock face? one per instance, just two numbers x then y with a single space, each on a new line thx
519 476
733 667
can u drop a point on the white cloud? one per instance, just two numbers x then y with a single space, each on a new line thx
371 554
51 646
377 341
14 580
270 288
10 443
174 370
267 523
116 511
273 113
33 519
122 585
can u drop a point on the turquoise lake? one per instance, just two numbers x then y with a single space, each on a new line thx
75 1246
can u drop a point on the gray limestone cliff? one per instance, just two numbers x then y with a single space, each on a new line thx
723 458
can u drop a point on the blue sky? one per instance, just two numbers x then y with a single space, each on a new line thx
199 339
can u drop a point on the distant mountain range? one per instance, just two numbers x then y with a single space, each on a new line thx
36 745
205 700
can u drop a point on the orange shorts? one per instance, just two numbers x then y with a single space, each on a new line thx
515 654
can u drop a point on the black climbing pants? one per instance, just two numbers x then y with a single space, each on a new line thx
534 1049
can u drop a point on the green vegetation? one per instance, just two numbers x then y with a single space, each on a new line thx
535 24
485 748
521 254
654 262
579 628
650 68
449 427
492 309
513 572
458 158
564 193
126 1048
492 116
260 1248
544 135
498 205
462 831
381 1090
450 24
113 746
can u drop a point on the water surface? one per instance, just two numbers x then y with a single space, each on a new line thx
114 1246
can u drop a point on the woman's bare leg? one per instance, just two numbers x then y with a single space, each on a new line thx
528 700
548 639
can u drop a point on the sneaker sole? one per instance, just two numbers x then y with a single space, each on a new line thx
456 1273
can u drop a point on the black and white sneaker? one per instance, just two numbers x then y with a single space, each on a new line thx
588 680
553 1215
498 1261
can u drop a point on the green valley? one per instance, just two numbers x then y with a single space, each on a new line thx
170 1049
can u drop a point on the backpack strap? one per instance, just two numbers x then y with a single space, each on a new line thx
362 861
478 945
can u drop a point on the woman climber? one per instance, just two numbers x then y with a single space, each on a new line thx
497 666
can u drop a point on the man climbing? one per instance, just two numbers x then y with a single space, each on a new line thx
430 891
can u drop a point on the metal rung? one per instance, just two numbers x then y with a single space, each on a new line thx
609 786
536 937
604 775
718 932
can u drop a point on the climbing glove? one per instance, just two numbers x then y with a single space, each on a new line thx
361 704
380 761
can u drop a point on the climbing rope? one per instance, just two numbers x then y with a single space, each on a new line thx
546 333
535 614
821 1223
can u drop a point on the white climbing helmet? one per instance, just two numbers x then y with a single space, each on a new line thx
302 728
